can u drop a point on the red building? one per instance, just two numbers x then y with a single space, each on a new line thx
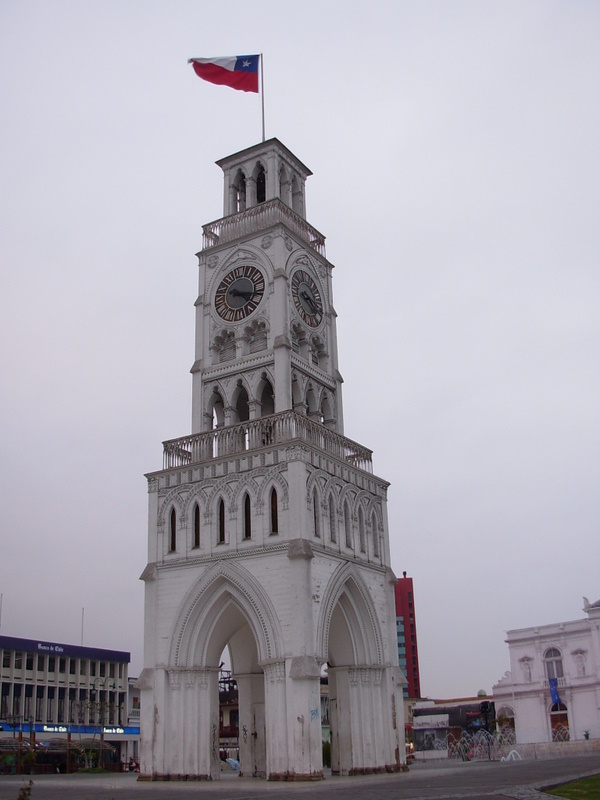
406 631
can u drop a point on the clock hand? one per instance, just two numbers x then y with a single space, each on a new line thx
245 295
308 299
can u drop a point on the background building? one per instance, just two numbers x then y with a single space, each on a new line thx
56 691
552 691
406 632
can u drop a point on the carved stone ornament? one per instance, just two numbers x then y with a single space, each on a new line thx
266 241
275 672
526 663
212 261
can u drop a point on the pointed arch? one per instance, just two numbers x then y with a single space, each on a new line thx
266 396
247 512
375 533
332 520
362 537
221 532
348 525
196 526
216 409
273 512
348 594
260 177
316 510
198 639
172 530
239 403
239 191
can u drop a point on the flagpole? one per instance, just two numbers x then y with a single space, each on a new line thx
262 95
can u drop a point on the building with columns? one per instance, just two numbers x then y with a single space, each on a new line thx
268 531
552 690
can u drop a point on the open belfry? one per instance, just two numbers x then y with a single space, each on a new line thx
268 530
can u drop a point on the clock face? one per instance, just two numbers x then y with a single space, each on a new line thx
307 298
239 293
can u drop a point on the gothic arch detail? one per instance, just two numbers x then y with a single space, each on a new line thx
200 610
347 587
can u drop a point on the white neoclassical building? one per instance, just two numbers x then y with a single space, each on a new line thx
552 690
268 531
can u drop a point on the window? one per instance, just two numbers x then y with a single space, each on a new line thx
274 515
83 667
347 525
103 669
316 520
196 542
361 531
29 662
51 664
554 665
221 515
172 531
18 660
92 669
247 517
332 524
62 665
111 671
375 536
72 666
6 659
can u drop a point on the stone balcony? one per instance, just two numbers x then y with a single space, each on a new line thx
260 218
286 427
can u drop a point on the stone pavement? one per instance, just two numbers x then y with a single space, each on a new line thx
480 780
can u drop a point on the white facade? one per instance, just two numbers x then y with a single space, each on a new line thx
267 530
568 652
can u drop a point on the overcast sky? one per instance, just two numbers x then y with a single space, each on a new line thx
455 151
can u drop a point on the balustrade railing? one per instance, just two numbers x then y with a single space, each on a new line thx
258 218
282 428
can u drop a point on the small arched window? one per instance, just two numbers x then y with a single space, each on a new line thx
247 517
347 524
274 512
196 532
261 185
221 522
361 531
172 531
316 518
554 664
332 523
375 529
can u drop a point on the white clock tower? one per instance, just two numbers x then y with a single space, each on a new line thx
267 528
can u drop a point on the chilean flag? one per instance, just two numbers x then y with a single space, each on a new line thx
239 72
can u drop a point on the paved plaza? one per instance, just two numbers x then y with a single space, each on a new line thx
495 780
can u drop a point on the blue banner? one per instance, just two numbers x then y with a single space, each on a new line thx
553 683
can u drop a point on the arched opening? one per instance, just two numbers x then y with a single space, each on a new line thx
196 527
559 722
274 512
247 517
361 531
239 191
375 533
216 409
354 656
332 521
266 398
316 514
297 200
261 184
553 663
172 531
221 521
242 409
347 524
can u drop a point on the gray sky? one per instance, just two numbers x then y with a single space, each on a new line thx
455 152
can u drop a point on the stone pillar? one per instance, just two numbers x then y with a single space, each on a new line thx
305 751
275 716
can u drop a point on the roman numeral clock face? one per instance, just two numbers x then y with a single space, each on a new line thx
307 298
239 293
